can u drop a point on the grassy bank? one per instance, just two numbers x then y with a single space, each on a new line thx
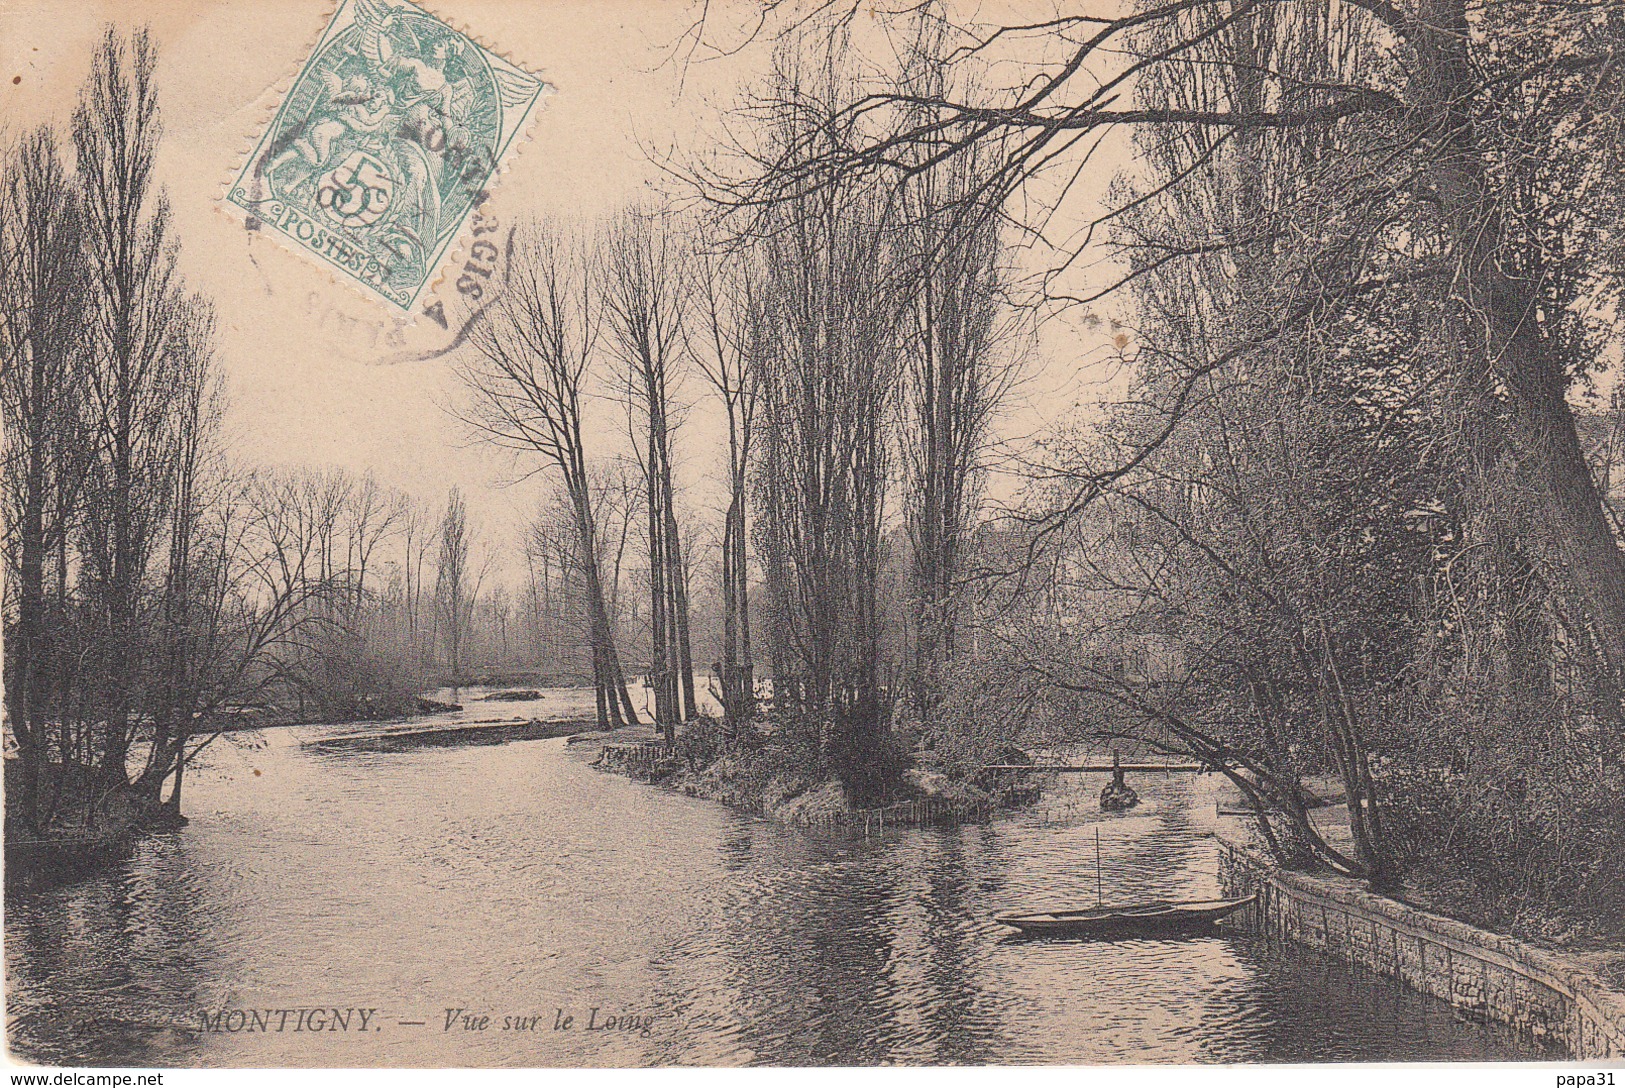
768 777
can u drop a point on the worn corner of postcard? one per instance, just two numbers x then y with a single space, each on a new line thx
385 145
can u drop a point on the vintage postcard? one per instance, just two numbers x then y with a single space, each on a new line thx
669 533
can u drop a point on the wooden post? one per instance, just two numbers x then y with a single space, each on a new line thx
1100 894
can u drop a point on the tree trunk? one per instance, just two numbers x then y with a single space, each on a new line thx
1536 378
677 580
660 664
603 635
22 686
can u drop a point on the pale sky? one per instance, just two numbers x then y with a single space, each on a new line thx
314 368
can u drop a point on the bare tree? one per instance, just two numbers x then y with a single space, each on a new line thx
826 382
44 356
617 502
549 552
524 368
453 594
1484 140
182 669
645 303
151 587
501 610
953 384
140 305
737 331
418 526
560 612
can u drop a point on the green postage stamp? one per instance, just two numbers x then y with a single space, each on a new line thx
387 141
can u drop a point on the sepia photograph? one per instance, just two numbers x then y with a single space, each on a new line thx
607 534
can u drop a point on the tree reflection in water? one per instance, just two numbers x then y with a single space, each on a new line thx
517 879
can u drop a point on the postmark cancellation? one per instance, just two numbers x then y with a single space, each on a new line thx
389 138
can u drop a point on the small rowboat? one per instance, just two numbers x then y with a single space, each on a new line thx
1135 920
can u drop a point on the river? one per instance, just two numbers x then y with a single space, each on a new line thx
516 883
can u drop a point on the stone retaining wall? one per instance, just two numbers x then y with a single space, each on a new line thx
1483 975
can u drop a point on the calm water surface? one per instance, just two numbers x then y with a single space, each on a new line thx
515 881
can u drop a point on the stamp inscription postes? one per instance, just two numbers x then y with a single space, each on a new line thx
385 144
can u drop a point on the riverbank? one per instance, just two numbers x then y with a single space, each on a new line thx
371 708
98 820
94 821
453 735
522 875
1559 1000
1564 1003
764 780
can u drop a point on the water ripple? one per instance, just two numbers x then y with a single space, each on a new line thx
516 881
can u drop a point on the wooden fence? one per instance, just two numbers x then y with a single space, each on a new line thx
922 812
641 761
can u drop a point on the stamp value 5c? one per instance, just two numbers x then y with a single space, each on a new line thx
385 144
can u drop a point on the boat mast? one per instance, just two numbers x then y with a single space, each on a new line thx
1100 899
